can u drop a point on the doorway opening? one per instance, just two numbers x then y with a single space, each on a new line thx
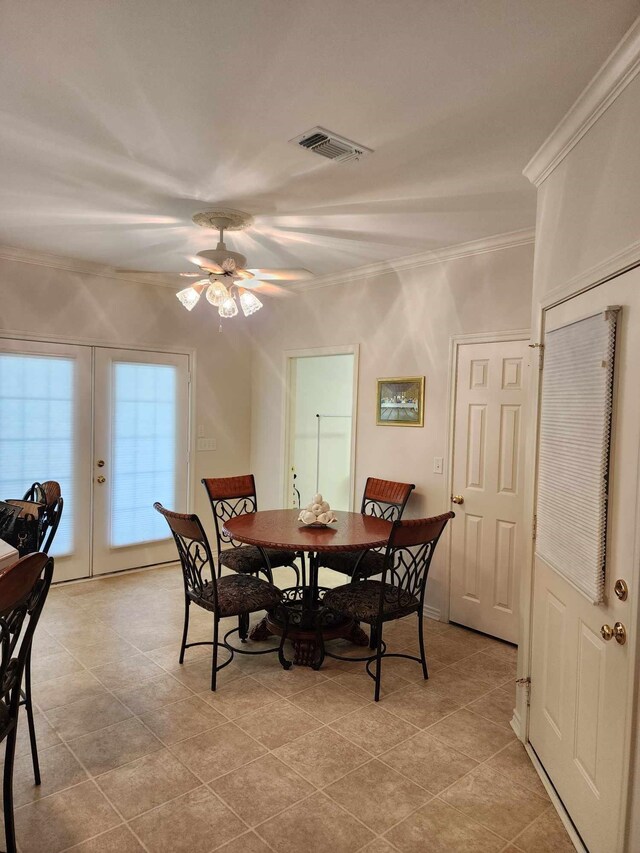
320 426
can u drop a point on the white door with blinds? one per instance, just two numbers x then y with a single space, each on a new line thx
111 426
584 623
140 455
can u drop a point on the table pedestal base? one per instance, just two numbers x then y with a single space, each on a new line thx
299 623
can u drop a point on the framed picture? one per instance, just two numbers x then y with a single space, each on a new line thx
400 401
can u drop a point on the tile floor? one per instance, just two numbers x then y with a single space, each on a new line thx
138 755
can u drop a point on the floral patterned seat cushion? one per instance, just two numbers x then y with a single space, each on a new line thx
372 563
248 559
237 594
361 601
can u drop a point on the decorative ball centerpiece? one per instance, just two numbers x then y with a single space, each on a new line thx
318 513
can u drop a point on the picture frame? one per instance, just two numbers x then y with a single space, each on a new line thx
400 401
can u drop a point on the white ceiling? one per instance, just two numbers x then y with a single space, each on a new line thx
119 120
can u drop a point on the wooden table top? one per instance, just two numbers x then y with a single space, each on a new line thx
280 528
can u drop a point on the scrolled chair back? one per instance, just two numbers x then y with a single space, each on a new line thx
193 550
385 498
230 497
50 496
23 591
410 550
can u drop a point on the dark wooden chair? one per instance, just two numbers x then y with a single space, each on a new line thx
47 494
230 497
233 595
23 592
400 592
383 499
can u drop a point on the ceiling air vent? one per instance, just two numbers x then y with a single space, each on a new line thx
330 145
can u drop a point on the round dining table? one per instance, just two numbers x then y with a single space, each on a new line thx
301 609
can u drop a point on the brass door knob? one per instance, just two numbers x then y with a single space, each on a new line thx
620 633
606 632
102 479
457 499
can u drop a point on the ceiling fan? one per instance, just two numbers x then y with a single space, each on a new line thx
227 272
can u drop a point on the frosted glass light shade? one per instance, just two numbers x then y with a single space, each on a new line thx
228 308
249 303
189 297
217 293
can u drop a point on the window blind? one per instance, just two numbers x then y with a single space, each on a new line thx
143 450
37 431
575 434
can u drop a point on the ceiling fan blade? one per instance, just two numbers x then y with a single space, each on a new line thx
282 274
267 288
244 274
158 273
203 264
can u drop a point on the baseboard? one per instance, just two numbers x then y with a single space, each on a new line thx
516 725
73 581
432 612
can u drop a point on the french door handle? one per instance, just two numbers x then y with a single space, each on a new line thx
101 479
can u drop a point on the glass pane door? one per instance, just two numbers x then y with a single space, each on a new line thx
45 434
141 455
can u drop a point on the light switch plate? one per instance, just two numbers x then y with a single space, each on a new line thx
206 444
437 464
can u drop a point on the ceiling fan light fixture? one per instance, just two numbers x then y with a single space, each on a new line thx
189 297
217 293
229 307
249 303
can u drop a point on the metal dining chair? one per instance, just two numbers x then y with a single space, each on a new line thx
23 592
230 497
49 495
383 499
400 593
232 595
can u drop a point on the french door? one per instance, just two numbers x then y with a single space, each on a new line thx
140 455
111 426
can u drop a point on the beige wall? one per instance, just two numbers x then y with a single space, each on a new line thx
39 300
403 324
588 210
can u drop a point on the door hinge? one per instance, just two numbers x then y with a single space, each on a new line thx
534 528
540 348
527 684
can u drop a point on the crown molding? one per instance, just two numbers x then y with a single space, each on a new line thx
76 265
410 262
612 78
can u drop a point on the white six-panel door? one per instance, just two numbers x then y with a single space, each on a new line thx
582 685
488 544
